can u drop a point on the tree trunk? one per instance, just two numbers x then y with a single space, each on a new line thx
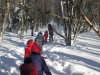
22 29
32 30
5 21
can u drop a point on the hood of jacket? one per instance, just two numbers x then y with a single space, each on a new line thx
30 44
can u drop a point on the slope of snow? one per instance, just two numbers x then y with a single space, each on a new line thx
81 59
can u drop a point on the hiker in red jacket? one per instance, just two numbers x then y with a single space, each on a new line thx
36 48
28 48
30 44
45 36
28 68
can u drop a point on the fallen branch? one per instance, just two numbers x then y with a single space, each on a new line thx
58 34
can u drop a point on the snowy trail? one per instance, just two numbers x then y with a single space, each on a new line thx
81 59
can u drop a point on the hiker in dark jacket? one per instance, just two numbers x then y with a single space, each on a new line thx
50 29
40 62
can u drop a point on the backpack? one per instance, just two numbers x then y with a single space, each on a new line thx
28 69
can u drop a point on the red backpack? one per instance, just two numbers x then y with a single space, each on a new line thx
28 69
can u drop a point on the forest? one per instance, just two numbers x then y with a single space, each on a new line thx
75 16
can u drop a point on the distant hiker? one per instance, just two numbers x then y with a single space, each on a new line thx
28 68
45 36
40 39
28 48
39 62
50 29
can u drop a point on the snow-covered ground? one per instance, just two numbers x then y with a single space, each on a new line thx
81 59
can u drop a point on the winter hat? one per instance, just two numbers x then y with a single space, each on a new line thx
28 60
46 30
30 40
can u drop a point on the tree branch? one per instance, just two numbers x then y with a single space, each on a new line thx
89 23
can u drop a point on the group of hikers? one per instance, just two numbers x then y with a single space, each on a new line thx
34 62
41 39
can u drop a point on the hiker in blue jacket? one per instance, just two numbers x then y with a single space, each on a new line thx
40 62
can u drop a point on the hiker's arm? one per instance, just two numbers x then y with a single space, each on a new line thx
45 68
